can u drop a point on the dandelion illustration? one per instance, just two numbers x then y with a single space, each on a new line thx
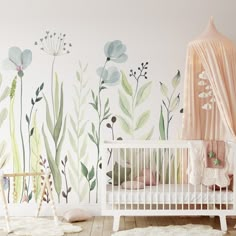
54 44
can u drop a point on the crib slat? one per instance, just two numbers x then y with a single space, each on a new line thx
220 200
169 160
132 179
176 179
214 197
207 198
182 170
119 164
150 176
163 178
144 159
201 198
125 157
227 202
112 179
138 151
157 176
188 181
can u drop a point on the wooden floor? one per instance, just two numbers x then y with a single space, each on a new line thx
102 226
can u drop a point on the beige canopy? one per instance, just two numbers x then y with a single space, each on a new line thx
210 88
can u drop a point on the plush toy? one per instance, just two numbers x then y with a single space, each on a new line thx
147 177
119 174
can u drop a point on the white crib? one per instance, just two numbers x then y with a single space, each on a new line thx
167 163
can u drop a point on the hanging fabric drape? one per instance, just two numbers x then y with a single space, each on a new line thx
210 88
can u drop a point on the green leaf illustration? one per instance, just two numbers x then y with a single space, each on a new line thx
124 124
142 120
162 126
36 147
53 166
59 147
72 141
93 185
58 125
4 157
176 80
164 89
73 125
82 129
83 148
84 170
148 135
31 131
56 100
17 166
92 138
73 173
126 85
5 93
143 93
78 76
175 103
48 117
3 116
124 104
91 174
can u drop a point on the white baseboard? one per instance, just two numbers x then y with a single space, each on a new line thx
30 209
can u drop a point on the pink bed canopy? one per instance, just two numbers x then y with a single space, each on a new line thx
210 88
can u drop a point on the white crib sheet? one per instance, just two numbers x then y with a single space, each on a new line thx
168 194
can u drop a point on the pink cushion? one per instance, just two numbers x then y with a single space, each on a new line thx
147 177
132 185
75 215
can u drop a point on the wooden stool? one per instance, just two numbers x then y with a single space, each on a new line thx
46 185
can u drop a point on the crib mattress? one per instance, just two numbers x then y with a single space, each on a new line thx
168 194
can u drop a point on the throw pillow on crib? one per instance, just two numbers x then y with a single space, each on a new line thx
132 185
76 215
147 177
119 174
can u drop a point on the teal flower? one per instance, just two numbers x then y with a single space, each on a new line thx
115 51
110 76
18 60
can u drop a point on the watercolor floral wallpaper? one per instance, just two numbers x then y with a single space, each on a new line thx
81 74
73 171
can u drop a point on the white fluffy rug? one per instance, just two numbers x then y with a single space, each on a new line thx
32 226
172 230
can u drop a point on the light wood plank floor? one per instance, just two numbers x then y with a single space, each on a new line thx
102 226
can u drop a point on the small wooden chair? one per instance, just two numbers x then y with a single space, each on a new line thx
45 185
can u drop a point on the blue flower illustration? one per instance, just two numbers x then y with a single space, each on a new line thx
110 76
115 51
18 60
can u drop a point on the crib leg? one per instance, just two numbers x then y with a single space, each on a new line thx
116 223
223 223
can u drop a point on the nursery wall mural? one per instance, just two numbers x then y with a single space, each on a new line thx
39 145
